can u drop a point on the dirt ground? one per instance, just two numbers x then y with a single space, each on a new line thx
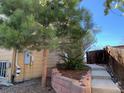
74 74
32 86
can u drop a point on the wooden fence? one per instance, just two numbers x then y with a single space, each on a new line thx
113 58
96 57
116 63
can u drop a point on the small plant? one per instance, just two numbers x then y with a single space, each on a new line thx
71 63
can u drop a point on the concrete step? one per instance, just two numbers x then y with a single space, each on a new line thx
102 74
104 86
96 67
5 82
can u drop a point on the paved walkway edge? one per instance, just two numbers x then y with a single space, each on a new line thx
101 80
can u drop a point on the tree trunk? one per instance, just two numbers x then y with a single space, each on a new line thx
44 67
13 66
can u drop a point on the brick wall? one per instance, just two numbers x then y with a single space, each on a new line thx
63 84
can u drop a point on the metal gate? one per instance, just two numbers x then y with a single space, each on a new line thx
3 68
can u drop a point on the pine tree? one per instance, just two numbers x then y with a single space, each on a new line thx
114 4
41 24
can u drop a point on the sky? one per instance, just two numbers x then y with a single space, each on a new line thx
112 25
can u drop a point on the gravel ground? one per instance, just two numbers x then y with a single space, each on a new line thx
32 86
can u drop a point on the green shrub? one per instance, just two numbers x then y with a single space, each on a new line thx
71 63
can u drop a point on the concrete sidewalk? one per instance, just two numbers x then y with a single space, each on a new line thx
102 74
101 80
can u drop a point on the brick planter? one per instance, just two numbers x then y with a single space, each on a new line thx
63 84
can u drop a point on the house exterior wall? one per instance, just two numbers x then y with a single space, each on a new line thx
53 58
7 56
28 71
34 69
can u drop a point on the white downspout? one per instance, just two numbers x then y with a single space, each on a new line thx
17 58
18 69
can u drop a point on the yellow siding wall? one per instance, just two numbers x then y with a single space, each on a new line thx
29 71
37 64
21 64
53 58
34 70
7 55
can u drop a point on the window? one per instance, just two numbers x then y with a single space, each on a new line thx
27 57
